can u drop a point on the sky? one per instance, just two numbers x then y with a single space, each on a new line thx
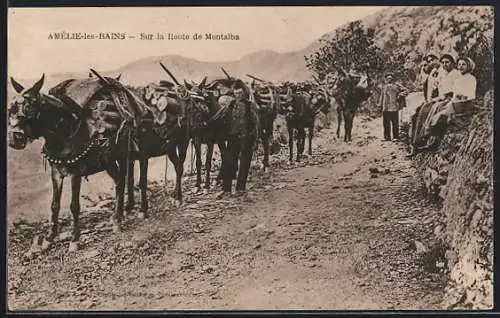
282 29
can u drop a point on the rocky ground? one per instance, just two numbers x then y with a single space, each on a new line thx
348 228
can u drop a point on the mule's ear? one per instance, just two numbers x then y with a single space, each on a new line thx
118 77
38 85
188 86
202 83
17 87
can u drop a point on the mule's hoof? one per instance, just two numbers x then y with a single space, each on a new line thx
196 190
117 229
141 215
46 244
206 191
73 247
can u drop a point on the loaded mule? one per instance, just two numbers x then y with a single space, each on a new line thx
266 98
165 130
300 105
87 126
203 133
349 91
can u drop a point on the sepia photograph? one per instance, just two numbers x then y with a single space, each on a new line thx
250 158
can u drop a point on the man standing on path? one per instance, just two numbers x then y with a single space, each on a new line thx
389 102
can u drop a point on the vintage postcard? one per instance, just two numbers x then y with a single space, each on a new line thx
207 158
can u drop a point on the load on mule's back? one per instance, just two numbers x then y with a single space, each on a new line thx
265 96
87 126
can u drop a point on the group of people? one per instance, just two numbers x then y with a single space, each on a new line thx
448 86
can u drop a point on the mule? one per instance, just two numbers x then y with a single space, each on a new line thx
75 146
202 133
163 131
300 109
266 97
350 92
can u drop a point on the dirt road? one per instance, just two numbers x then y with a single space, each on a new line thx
346 229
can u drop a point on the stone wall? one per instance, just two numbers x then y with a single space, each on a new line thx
460 175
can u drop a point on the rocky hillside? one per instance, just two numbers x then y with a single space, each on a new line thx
426 28
460 175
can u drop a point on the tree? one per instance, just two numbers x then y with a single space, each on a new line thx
351 48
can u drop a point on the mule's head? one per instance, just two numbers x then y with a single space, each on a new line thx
23 110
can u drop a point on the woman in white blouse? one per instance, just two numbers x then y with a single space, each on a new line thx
446 77
464 87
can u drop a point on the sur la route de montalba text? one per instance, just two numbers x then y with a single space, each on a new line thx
142 36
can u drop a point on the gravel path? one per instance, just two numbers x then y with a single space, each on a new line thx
346 229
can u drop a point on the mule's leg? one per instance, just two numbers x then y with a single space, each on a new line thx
346 126
246 159
310 135
57 186
143 185
349 121
208 163
76 182
118 172
130 188
197 148
290 142
182 148
339 120
301 137
179 170
265 146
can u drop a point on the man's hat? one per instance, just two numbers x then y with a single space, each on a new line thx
430 57
447 56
